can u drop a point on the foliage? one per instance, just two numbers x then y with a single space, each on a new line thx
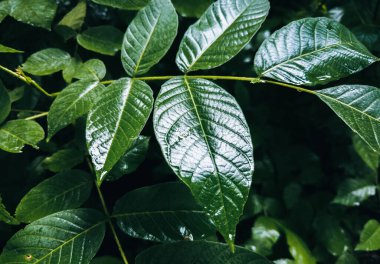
100 99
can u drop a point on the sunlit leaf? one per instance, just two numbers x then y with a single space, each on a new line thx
5 49
370 236
354 191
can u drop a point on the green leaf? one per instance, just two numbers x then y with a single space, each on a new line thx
63 160
4 9
332 235
16 133
70 71
75 18
16 94
220 33
370 157
67 190
358 106
370 236
352 192
68 237
194 8
131 160
264 236
73 102
347 258
198 252
116 121
5 49
38 13
5 103
311 51
93 69
149 36
123 4
5 216
164 212
106 260
292 194
102 39
206 141
46 62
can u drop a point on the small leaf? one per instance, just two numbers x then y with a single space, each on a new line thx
73 102
93 69
131 160
102 39
46 62
206 141
5 49
16 133
358 106
116 121
149 36
220 33
38 13
264 237
311 51
354 191
123 4
370 236
75 18
198 252
67 190
68 237
194 8
16 94
71 69
370 157
5 216
63 160
5 103
164 212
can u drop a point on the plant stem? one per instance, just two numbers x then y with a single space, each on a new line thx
210 77
37 116
299 89
28 80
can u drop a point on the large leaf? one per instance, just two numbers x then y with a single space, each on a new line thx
123 4
74 101
370 236
205 139
15 134
370 157
5 103
311 51
5 216
149 36
354 191
131 159
220 33
39 13
46 62
63 191
116 121
102 39
164 212
68 237
358 106
200 252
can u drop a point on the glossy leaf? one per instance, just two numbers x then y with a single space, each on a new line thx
46 62
63 191
5 103
354 191
164 212
149 36
5 216
73 102
123 4
71 69
358 106
116 121
63 160
206 141
220 33
201 252
38 13
68 237
370 236
194 8
5 49
15 134
93 69
370 157
311 51
131 160
102 39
